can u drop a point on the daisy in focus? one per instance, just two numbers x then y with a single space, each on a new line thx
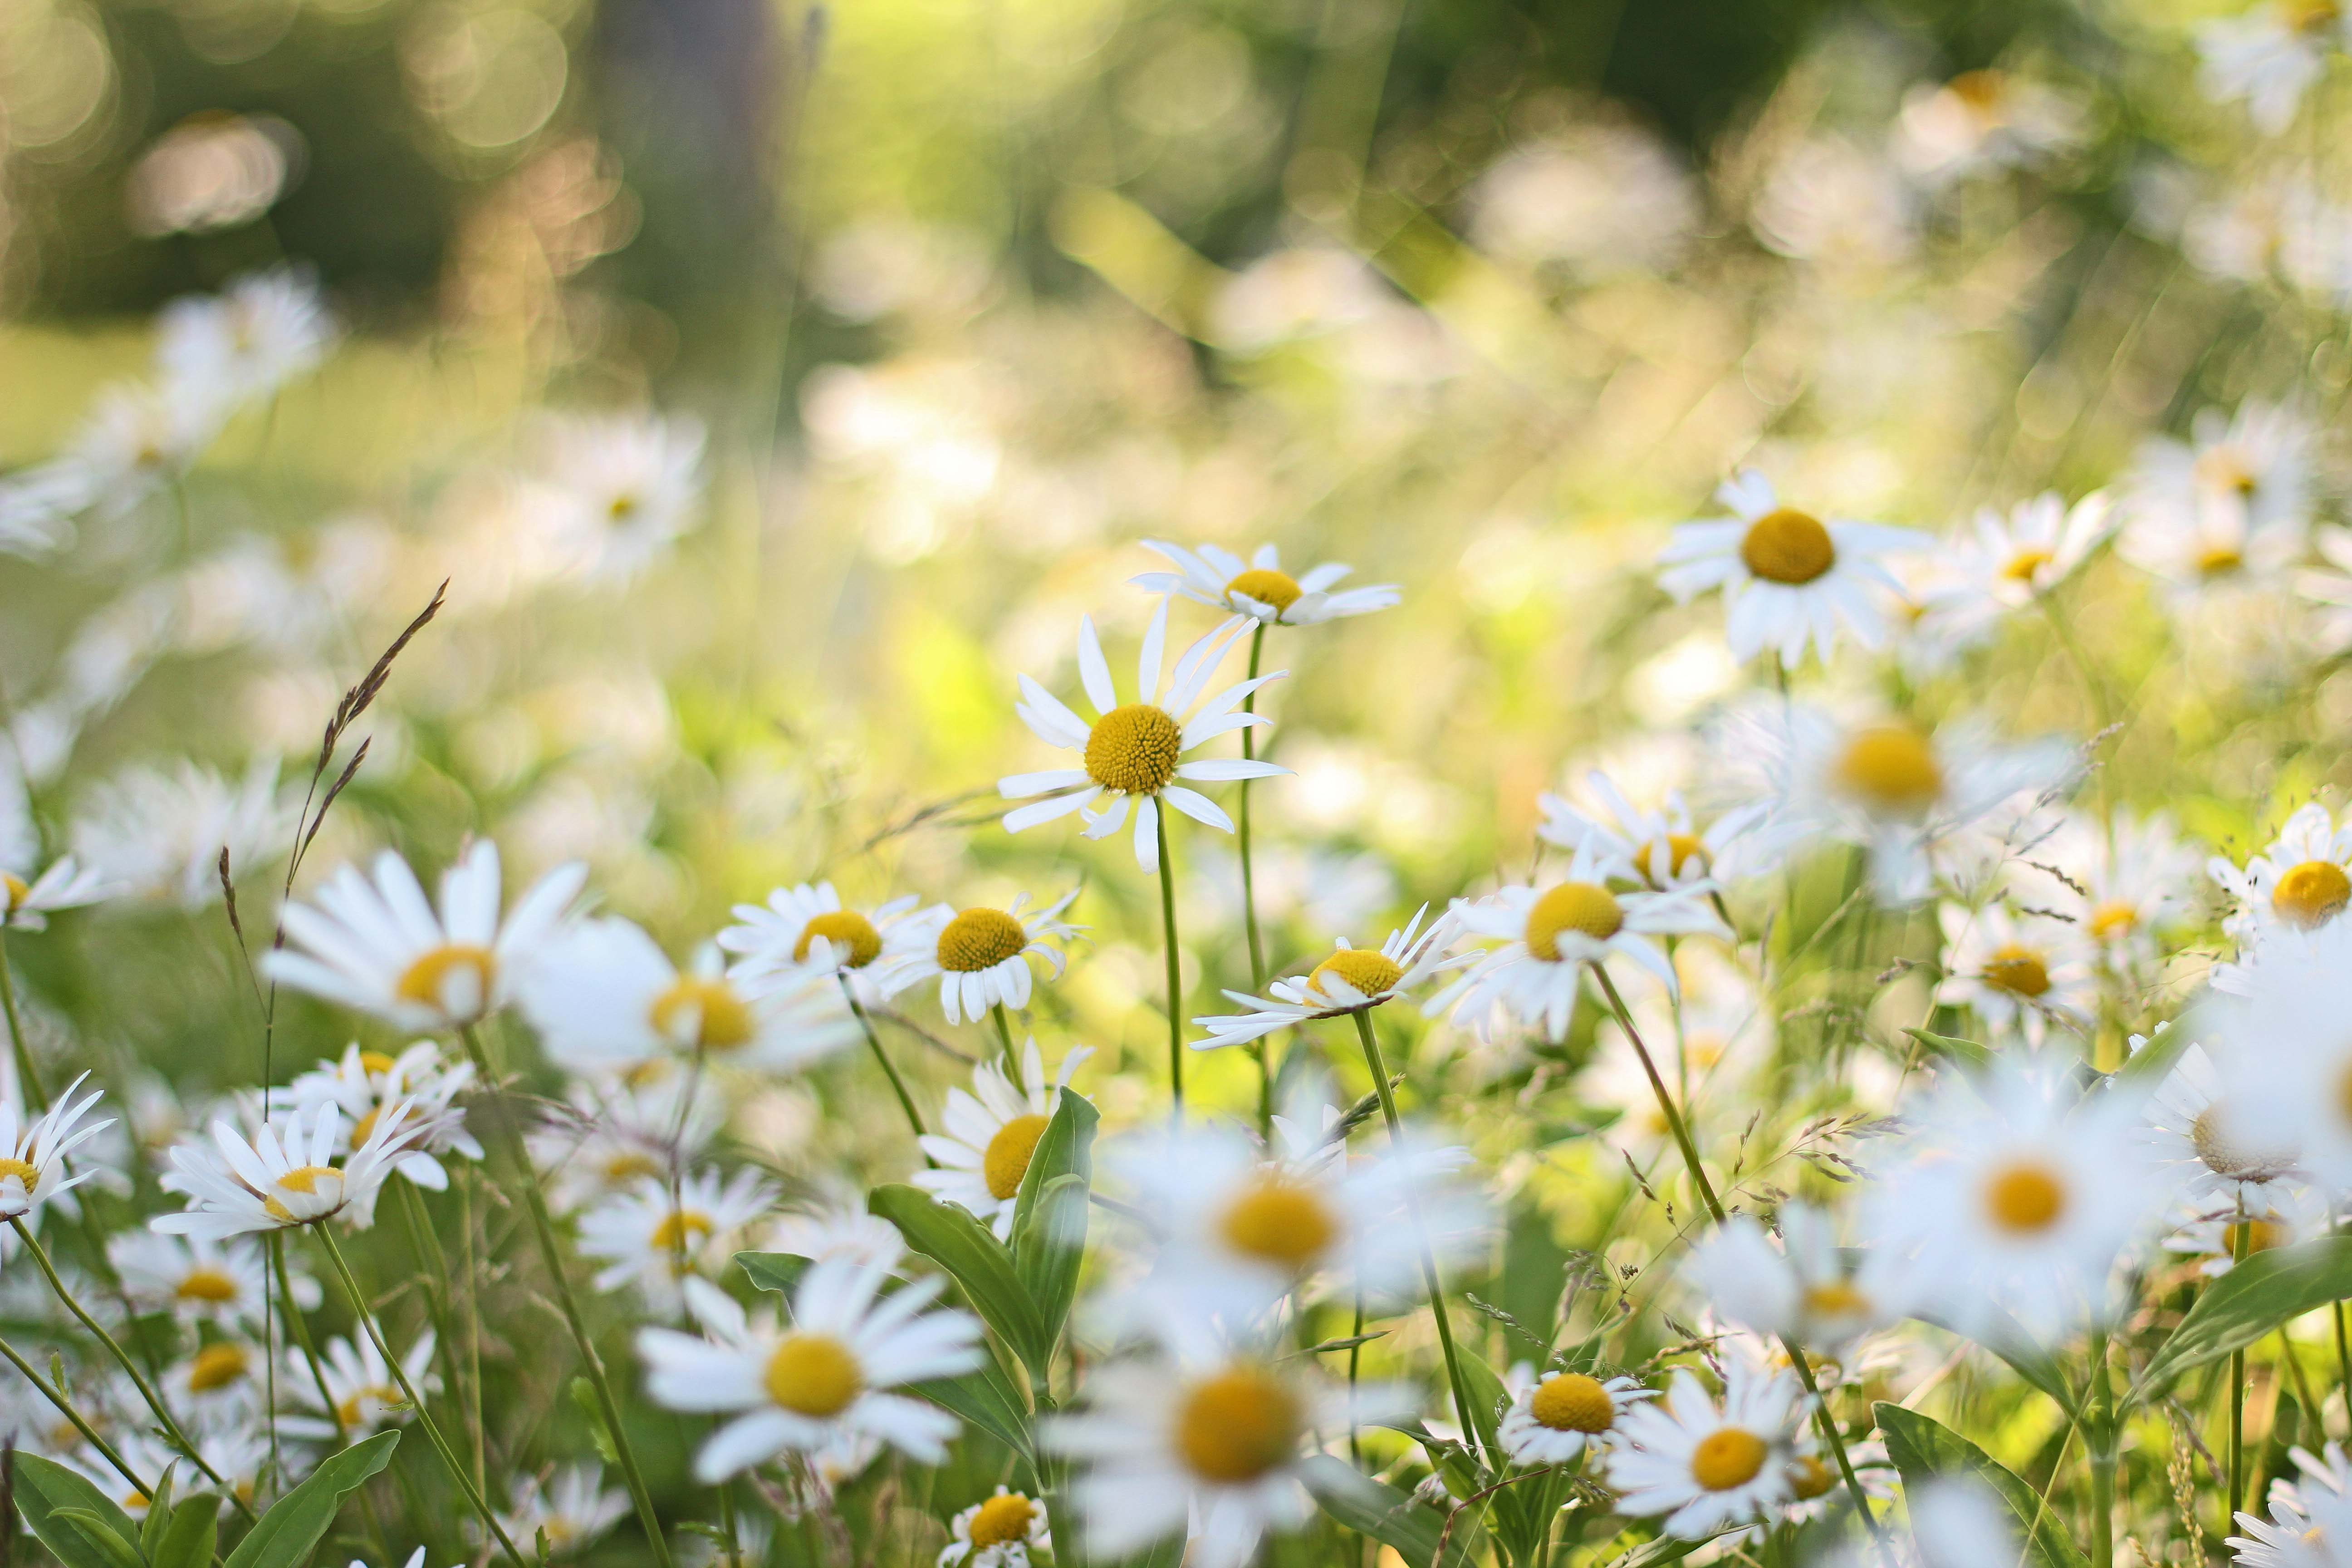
809 926
998 1532
1561 1416
980 955
1258 589
988 1135
1708 1468
1787 577
376 947
286 1176
2303 878
2022 973
654 1238
827 1377
33 1172
1352 980
1133 751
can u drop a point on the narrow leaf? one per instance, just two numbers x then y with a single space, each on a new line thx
1924 1448
1968 1055
1048 1248
44 1488
975 1259
292 1527
2257 1296
188 1540
987 1399
97 1537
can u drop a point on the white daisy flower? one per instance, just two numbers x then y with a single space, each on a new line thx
573 1506
199 1278
604 995
1556 1418
2269 57
808 926
2009 1194
246 342
826 1377
1980 120
1258 589
2008 561
363 1396
1958 1522
996 1533
1133 751
1549 936
2228 509
654 1238
2125 883
839 1227
135 440
378 946
2303 878
65 885
1787 576
33 1169
2306 1517
980 955
161 834
2219 1155
988 1135
614 1136
1663 845
619 490
2021 972
360 1084
219 1385
2285 1058
1709 1467
2217 1235
1352 980
286 1176
1805 1289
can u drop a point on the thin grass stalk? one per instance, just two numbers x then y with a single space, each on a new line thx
889 1068
1175 979
1263 1048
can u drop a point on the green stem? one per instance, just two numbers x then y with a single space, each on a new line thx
1003 1029
458 1471
1175 981
473 1328
1471 1431
889 1070
27 1076
1262 1050
2239 1246
551 1257
65 1407
2344 1364
2102 1436
295 1320
1052 1478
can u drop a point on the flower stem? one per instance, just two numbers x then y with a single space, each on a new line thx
1175 981
28 1079
1263 1049
2344 1362
57 1396
1471 1432
551 1257
889 1070
458 1471
2239 1246
2102 1437
1003 1030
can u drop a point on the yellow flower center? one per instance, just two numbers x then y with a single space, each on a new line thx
1006 1159
1280 1221
1369 972
16 891
682 1230
29 1174
850 933
1728 1457
815 1375
1809 1479
2219 560
205 1283
2231 1159
2018 970
2115 918
2225 467
455 978
1001 1520
623 506
2025 1199
1787 546
376 1062
353 1411
1267 586
1572 1402
1980 89
2259 1235
1236 1425
302 1179
1837 1299
2022 566
2312 894
979 939
1585 907
704 1014
215 1366
1892 769
1680 847
1132 749
365 1126
629 1166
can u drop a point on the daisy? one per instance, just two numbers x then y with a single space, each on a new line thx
839 1227
1787 576
2010 1195
1133 751
1554 1419
2217 1237
980 955
2210 1146
65 885
360 1084
997 1532
2285 1056
361 1395
1352 980
659 1116
1805 1290
573 1506
1549 936
198 1278
826 1377
2008 561
1706 1467
161 834
1663 845
2303 1515
275 1182
620 489
247 343
1258 589
33 1169
2021 972
2124 883
1980 120
1958 1522
2303 878
605 994
217 1384
2269 57
654 1238
990 1134
807 926
2231 505
135 440
378 946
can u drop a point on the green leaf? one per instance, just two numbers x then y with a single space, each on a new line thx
1923 1448
1066 1148
2153 1060
293 1525
2007 1338
1048 1248
159 1512
44 1489
98 1536
975 1259
2257 1296
777 1271
1972 1057
188 1540
1487 1396
1389 1516
591 1410
988 1399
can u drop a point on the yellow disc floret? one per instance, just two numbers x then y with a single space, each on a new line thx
815 1375
1679 847
25 1171
2311 894
428 979
979 939
2018 970
855 943
2219 560
1809 1479
1572 1402
1890 768
1267 586
2115 918
1238 1424
1001 1520
1787 546
1006 1159
1728 1457
1133 748
1370 973
1585 907
376 1062
1835 1299
1281 1222
2025 1198
681 1230
2229 1156
302 1179
205 1283
2022 566
215 1366
16 888
705 1014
